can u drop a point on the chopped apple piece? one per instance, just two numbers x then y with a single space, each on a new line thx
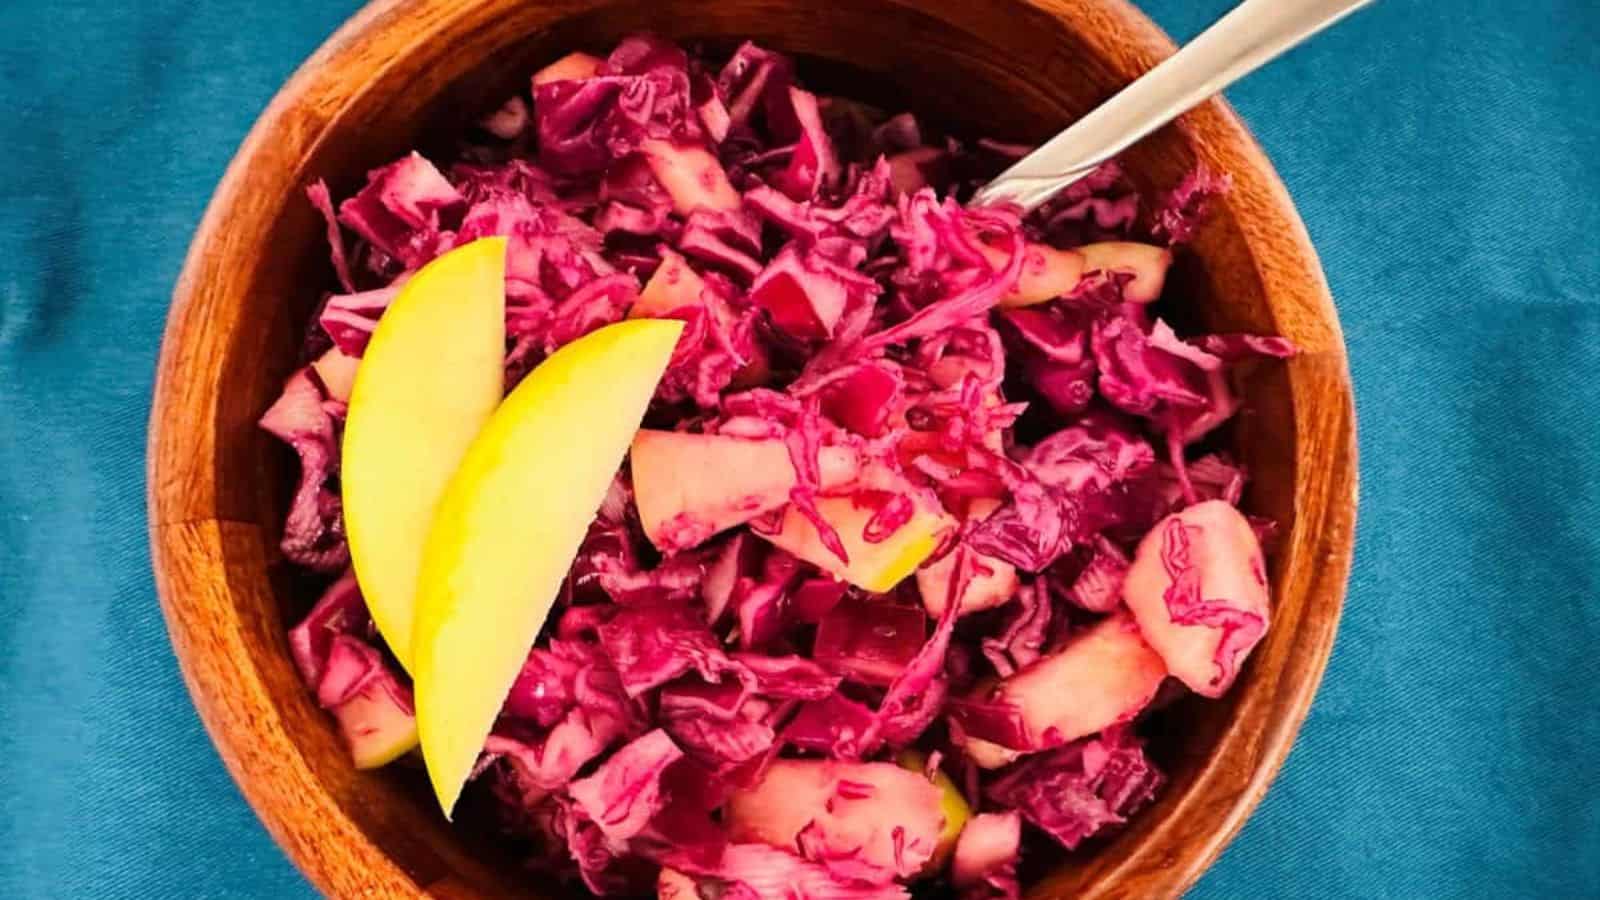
490 570
951 804
691 176
338 373
571 67
672 287
1146 262
372 706
378 723
1047 273
988 848
1102 677
1198 588
688 487
994 583
428 382
674 885
989 755
875 567
893 817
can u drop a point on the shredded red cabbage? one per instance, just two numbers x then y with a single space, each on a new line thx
313 533
864 359
1073 792
985 863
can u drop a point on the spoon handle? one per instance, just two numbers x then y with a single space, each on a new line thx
1251 35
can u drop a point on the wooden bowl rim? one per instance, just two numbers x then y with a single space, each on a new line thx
362 866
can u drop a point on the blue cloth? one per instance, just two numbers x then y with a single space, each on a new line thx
1446 158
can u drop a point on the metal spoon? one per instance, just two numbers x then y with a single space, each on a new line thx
1254 33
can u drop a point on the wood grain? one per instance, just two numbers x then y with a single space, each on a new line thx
404 73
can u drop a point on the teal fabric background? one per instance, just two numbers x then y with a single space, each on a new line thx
1446 158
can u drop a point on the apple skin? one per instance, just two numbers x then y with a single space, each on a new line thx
691 486
429 380
1048 273
377 726
338 373
875 567
509 524
952 804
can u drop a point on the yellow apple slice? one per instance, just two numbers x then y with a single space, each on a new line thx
429 380
376 726
338 373
509 525
951 803
875 567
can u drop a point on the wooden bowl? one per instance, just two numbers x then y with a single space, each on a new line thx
404 73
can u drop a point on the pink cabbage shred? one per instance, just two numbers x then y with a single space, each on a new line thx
846 299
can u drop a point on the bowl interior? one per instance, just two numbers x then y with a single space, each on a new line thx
411 74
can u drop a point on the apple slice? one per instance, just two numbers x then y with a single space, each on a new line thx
688 487
430 378
883 816
338 373
674 286
1104 676
691 176
994 584
991 586
1198 588
875 567
1048 273
674 885
572 67
954 806
509 524
377 725
1147 264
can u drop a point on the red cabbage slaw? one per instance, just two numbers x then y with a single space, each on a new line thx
716 704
